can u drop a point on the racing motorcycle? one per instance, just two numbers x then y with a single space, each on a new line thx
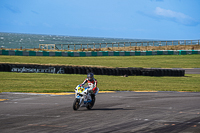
84 97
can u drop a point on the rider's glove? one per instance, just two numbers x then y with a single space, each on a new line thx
94 90
80 85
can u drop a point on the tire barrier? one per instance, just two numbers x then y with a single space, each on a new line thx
29 68
98 53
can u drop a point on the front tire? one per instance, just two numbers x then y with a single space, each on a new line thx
76 104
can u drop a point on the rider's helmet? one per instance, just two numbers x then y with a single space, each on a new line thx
90 76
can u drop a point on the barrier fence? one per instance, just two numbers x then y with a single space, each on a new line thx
117 44
98 53
29 68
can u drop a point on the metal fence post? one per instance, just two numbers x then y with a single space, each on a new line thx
153 43
191 42
112 45
118 45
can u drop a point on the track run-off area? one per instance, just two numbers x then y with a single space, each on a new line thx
155 112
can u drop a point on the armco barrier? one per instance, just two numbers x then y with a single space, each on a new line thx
98 53
29 68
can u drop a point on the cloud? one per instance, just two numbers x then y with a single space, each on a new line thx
13 9
177 17
46 25
34 12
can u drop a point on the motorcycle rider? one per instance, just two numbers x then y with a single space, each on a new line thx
92 83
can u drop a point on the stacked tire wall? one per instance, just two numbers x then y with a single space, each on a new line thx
84 70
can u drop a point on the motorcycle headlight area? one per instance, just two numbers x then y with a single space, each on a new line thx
80 89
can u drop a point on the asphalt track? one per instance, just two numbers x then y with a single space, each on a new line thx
189 70
138 112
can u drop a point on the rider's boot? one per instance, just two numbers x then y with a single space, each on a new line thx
92 96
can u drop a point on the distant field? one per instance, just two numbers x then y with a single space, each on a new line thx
42 82
159 61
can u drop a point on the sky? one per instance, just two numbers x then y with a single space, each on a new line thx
133 19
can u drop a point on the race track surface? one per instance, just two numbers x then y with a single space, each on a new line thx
190 70
138 112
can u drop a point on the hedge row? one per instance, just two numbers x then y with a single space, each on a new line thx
97 71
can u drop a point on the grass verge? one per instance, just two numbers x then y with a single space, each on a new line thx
161 61
52 83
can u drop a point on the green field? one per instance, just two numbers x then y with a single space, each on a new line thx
161 61
41 82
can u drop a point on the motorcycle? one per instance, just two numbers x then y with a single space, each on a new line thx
84 97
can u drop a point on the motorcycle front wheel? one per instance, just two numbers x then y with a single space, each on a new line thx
76 104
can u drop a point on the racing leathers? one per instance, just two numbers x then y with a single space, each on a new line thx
91 83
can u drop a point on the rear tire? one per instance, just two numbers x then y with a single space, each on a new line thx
76 104
90 105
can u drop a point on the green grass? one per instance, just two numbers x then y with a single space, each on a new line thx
42 82
161 61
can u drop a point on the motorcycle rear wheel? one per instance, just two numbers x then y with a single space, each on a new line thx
76 104
90 105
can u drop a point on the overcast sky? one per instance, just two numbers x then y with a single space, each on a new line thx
135 19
